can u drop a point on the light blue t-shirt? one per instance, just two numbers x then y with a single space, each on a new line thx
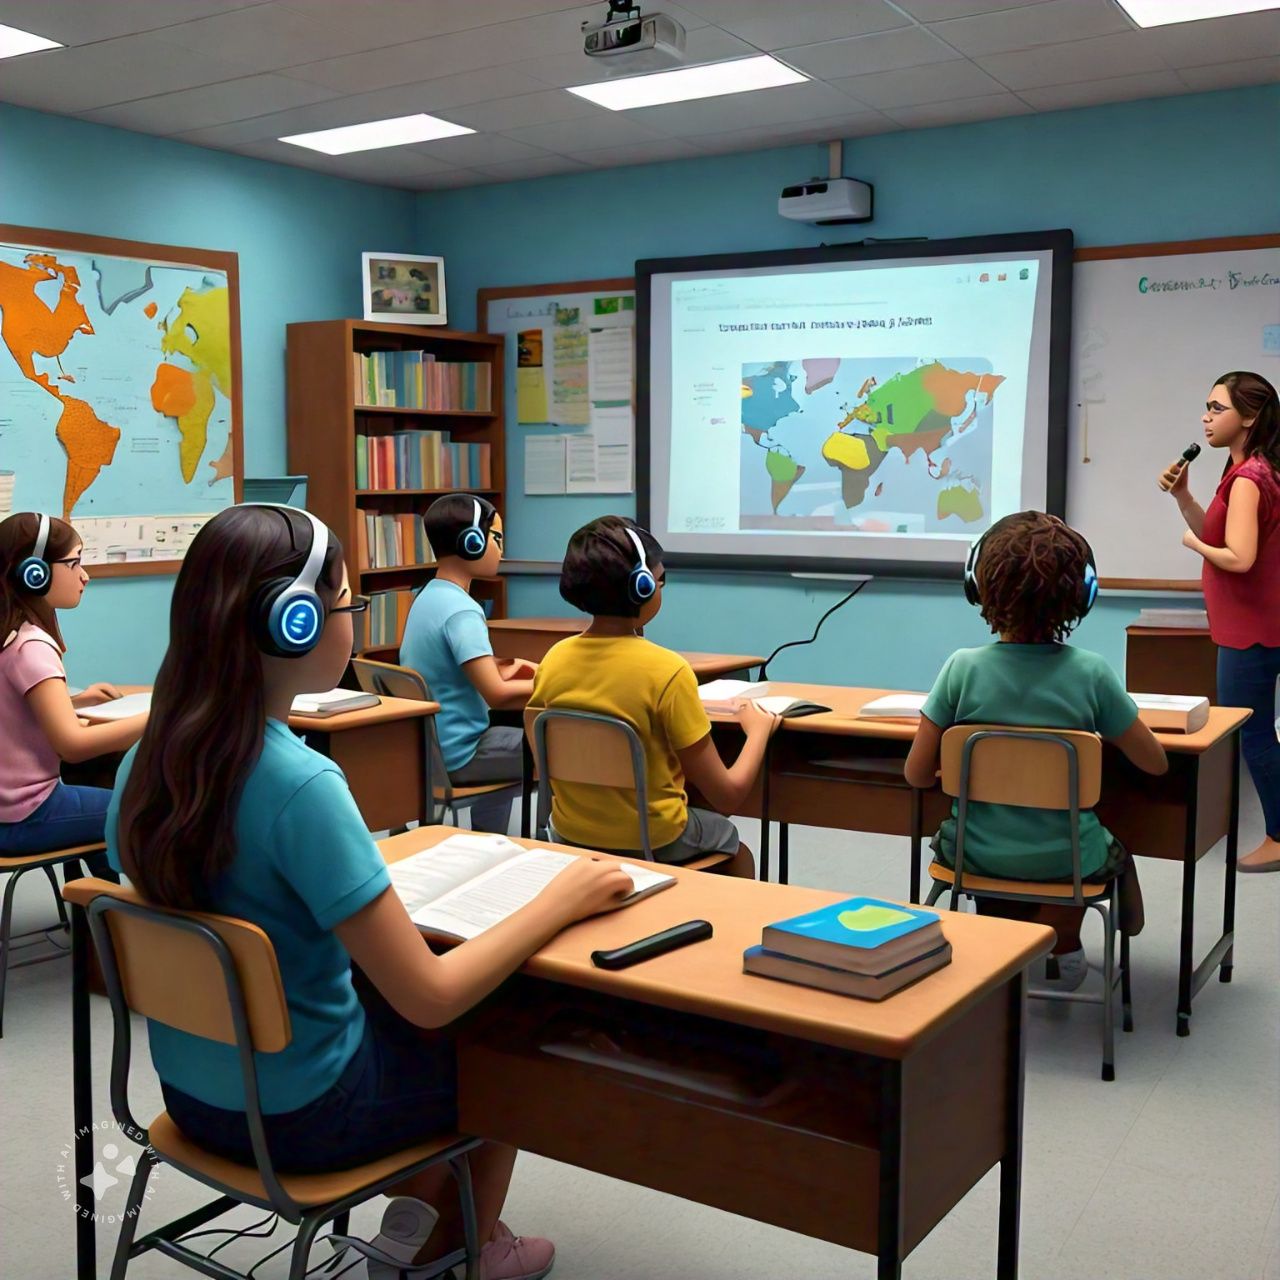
304 863
446 628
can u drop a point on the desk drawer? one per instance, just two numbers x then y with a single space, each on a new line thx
778 1130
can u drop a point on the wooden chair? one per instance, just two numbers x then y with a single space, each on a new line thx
1037 769
16 867
391 681
217 977
594 750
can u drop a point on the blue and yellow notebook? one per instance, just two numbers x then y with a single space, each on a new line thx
862 935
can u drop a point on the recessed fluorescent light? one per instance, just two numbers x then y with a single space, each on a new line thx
13 42
377 133
741 75
1159 13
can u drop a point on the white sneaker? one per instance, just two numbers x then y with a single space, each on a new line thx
406 1225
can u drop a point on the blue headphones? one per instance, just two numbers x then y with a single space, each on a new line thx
1088 580
473 542
288 614
641 584
34 572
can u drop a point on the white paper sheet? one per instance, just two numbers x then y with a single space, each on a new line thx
544 464
611 364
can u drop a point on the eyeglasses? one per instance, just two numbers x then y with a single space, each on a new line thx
358 605
1214 408
496 535
73 562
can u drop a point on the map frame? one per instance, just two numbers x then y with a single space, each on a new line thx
37 239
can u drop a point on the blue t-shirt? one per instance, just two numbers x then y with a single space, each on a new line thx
304 863
1045 686
446 628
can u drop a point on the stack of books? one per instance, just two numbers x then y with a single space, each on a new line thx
1190 619
420 460
862 947
417 380
894 706
387 540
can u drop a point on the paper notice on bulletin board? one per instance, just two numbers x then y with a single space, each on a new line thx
531 377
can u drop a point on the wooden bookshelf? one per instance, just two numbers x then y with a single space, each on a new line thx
324 420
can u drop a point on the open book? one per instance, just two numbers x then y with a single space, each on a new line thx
333 702
722 697
132 704
1172 712
894 706
470 882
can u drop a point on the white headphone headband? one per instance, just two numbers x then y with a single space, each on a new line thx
639 546
475 512
42 537
310 574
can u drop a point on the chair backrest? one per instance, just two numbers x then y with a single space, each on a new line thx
1028 768
209 975
588 749
388 680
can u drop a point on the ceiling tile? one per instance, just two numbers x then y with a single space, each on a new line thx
73 22
1062 97
943 80
394 21
1040 24
839 128
640 153
547 35
937 10
770 25
517 170
590 133
961 111
267 37
478 148
1102 58
389 166
210 104
784 104
706 44
544 107
884 51
111 71
449 181
1197 44
1231 75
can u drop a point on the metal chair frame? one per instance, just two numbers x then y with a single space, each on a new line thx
167 1239
1106 904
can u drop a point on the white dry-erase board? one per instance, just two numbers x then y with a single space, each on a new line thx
1153 326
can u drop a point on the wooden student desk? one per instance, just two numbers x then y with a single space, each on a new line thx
381 749
1171 660
530 638
856 1122
838 771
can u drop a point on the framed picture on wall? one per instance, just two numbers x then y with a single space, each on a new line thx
403 288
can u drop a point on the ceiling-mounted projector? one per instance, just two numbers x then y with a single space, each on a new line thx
632 43
827 201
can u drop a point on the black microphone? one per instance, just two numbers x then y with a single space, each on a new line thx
1189 454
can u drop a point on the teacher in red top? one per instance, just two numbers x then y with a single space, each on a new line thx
1239 538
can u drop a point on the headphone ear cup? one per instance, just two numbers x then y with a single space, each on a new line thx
971 592
1088 589
280 630
35 576
641 586
472 543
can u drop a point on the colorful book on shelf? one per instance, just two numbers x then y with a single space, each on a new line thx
807 973
418 380
860 935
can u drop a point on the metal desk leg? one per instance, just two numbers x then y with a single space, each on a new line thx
1186 961
917 840
1229 886
1011 1156
764 809
526 789
889 1232
784 853
82 1096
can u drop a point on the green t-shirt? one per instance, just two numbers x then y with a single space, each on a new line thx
1051 686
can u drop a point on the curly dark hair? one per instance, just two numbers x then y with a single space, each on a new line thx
1029 575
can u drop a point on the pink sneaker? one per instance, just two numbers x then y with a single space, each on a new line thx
508 1257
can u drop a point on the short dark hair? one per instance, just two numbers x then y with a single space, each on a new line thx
598 562
447 517
1029 575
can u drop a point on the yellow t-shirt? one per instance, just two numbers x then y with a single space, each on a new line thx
654 691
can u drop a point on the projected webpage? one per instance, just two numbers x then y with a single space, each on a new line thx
890 401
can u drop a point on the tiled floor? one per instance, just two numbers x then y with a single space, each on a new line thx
1169 1173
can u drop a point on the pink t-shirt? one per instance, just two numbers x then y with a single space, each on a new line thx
29 766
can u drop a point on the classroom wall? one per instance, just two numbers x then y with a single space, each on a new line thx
1161 169
299 236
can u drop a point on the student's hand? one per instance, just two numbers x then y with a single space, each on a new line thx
755 720
95 695
1174 479
588 886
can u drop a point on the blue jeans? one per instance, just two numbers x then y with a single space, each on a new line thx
1247 678
69 816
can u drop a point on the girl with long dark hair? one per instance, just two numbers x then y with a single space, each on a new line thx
221 808
1239 538
40 573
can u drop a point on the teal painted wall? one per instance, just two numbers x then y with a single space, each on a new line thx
299 236
1163 169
